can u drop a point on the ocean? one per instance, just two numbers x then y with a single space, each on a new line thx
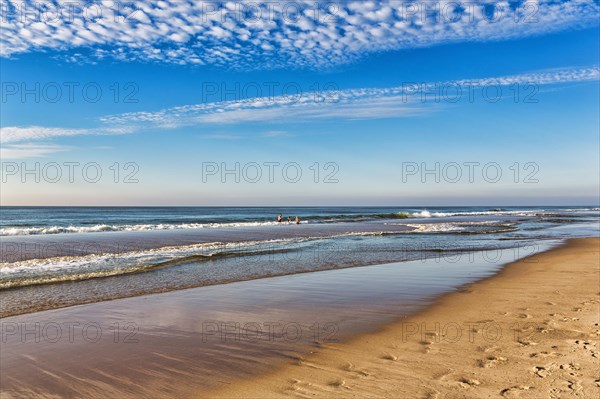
61 256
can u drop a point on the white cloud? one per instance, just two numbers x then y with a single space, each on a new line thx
366 103
278 34
13 134
31 150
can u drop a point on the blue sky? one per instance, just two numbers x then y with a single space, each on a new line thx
199 85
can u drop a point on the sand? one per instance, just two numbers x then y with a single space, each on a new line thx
531 331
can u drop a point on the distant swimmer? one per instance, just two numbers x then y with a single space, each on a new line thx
297 220
280 218
289 219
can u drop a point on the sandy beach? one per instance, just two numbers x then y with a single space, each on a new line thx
531 331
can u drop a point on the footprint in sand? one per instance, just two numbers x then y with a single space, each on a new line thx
590 302
492 361
541 371
571 366
487 349
515 391
523 342
544 371
589 346
468 382
545 354
349 367
575 386
585 344
301 387
339 383
555 393
572 369
428 347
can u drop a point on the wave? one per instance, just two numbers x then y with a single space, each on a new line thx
98 228
428 214
18 231
83 267
74 268
340 218
436 228
502 212
483 227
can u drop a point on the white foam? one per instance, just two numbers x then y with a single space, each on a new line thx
18 231
446 227
435 228
427 214
422 214
106 264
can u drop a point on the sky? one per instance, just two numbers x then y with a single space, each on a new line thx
300 103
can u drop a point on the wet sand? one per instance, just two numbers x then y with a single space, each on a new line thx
532 331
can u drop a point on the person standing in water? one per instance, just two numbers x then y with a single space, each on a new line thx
279 218
289 219
297 220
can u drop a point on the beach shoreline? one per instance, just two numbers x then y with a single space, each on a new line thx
51 268
531 330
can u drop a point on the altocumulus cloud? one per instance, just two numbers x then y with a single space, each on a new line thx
271 34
